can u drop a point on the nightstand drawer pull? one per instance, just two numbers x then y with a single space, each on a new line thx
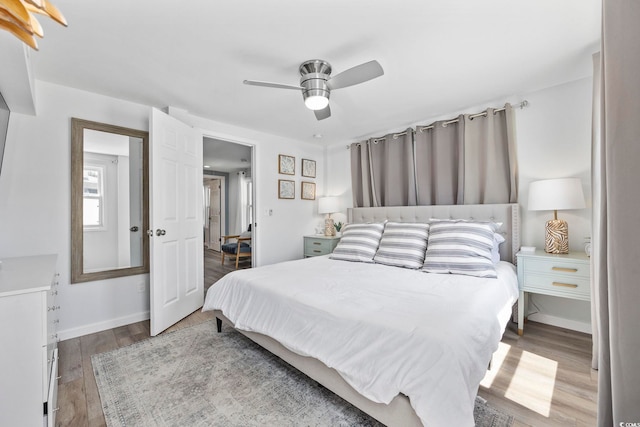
317 243
565 285
565 269
315 251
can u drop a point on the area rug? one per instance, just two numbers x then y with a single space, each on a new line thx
198 377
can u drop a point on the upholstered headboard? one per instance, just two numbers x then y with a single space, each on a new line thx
507 214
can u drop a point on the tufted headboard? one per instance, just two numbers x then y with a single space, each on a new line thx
507 214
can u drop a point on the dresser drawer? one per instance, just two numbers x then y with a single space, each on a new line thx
560 285
557 266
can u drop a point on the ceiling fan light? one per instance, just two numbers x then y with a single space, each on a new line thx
316 102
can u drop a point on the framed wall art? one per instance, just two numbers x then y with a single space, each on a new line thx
308 190
286 189
309 168
286 164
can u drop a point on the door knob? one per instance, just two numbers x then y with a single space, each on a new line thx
134 228
160 232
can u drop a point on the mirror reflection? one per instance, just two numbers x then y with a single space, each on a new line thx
109 201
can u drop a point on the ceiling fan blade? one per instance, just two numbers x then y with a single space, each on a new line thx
325 113
270 84
358 74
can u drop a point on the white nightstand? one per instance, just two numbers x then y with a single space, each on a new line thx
566 276
318 244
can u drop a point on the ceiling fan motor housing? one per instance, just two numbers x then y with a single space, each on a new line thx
315 74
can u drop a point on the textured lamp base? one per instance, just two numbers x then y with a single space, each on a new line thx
329 229
556 240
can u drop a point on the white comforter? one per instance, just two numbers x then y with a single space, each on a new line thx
386 330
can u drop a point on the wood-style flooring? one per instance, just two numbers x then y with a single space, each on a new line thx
542 378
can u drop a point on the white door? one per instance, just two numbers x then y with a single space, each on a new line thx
214 215
176 221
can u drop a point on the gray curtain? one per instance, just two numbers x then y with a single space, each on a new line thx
383 171
617 291
471 160
490 174
440 163
598 213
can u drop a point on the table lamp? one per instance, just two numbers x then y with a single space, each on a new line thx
328 205
554 195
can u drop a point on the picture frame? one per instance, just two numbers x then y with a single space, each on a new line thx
308 168
286 164
286 189
308 191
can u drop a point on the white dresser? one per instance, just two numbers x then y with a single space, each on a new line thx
28 324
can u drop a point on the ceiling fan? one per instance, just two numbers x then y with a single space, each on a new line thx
316 82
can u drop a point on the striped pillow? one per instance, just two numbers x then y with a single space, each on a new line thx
460 247
359 242
403 245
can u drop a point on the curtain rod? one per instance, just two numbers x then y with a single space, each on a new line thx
521 105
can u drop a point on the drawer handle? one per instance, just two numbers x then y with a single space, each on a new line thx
53 308
316 251
565 269
565 285
317 243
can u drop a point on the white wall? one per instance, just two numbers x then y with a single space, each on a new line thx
553 141
35 203
35 200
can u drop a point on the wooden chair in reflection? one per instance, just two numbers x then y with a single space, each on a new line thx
239 246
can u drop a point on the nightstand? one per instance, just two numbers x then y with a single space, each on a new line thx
566 276
318 244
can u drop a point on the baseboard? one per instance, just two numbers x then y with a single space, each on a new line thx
561 322
102 326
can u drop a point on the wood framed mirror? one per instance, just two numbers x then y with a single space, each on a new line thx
109 201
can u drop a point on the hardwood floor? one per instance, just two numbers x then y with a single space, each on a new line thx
542 378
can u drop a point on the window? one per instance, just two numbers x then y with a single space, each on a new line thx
93 198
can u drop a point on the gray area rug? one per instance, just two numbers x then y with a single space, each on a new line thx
198 377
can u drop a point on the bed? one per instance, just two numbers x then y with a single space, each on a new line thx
405 346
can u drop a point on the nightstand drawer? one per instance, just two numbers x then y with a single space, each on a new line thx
557 266
318 246
559 285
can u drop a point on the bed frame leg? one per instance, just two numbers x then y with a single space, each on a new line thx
219 324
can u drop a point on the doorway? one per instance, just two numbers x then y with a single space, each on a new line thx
229 191
214 193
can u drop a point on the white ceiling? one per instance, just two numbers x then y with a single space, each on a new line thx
439 57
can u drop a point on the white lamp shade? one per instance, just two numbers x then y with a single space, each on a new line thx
328 205
556 194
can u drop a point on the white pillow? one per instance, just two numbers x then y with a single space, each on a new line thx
403 244
359 242
460 247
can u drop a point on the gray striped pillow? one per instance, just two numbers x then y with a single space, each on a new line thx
359 242
460 247
403 245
